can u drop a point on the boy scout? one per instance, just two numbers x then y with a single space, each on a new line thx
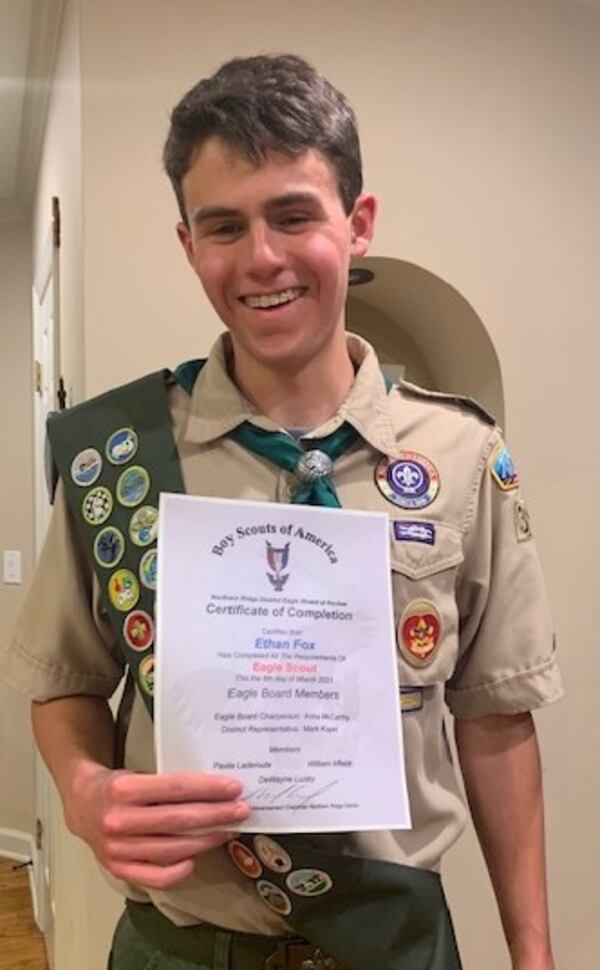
265 162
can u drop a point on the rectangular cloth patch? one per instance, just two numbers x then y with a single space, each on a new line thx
411 699
415 532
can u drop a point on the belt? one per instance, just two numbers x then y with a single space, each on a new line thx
239 951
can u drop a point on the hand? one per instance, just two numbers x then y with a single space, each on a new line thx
147 829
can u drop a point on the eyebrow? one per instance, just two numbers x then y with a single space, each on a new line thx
205 213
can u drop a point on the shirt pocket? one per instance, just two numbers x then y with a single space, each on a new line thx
425 609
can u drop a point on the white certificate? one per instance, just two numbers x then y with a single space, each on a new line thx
276 661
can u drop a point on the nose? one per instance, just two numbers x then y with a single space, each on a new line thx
264 253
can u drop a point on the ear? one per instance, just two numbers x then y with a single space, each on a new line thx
185 238
362 221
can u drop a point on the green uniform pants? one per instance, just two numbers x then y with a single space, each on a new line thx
146 940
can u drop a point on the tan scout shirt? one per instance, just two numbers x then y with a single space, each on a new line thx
491 652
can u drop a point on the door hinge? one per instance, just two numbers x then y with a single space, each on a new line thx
56 221
61 394
37 377
39 834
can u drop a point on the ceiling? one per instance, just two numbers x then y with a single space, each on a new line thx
28 35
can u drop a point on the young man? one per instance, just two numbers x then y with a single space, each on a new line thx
265 162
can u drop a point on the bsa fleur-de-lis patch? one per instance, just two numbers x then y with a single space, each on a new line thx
278 560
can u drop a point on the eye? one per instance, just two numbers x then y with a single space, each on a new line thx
293 220
225 230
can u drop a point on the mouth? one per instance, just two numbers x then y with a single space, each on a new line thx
266 301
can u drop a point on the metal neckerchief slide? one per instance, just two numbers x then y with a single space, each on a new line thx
115 454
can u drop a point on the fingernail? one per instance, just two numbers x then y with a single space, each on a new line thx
233 787
241 810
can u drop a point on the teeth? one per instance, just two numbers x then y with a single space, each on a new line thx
272 299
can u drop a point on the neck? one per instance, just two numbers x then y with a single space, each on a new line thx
301 395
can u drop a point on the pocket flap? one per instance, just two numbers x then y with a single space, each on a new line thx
419 559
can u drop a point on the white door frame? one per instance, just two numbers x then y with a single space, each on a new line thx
46 368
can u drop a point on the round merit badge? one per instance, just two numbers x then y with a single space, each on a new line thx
410 480
272 854
146 674
121 446
138 630
123 590
97 505
274 897
109 546
86 467
143 525
147 569
419 631
502 468
244 859
309 882
133 486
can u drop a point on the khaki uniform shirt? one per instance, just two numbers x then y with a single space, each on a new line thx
494 646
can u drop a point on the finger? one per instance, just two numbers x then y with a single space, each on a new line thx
173 819
165 850
154 877
147 789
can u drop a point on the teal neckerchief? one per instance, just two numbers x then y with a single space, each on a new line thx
315 486
368 914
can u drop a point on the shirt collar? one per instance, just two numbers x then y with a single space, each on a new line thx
217 405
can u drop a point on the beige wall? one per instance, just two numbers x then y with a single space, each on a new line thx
60 175
480 138
16 508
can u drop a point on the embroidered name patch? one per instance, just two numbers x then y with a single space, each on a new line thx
415 532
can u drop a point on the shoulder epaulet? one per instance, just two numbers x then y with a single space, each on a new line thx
458 400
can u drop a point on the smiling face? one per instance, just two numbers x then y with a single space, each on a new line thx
272 245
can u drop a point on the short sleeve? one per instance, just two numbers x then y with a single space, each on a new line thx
506 662
62 643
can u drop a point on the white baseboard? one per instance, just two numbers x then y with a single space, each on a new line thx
21 847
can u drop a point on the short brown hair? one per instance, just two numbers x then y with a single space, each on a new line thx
267 104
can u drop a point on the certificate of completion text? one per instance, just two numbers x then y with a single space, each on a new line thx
276 661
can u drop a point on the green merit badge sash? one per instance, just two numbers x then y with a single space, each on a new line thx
115 454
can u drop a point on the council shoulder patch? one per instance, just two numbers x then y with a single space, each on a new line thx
502 468
409 480
419 632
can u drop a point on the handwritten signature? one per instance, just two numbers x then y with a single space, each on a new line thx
297 796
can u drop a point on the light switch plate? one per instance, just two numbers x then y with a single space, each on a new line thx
12 566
